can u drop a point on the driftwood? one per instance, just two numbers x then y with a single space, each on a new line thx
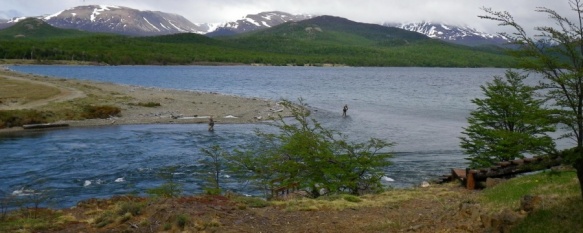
44 126
503 169
279 188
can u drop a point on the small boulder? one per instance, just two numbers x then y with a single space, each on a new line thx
529 202
425 184
502 222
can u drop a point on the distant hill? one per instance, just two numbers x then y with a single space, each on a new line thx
338 40
324 31
319 41
33 28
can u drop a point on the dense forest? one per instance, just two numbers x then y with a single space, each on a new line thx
318 41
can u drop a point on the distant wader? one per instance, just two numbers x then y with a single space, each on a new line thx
211 124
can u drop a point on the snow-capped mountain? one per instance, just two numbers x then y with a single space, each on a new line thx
455 34
124 20
254 22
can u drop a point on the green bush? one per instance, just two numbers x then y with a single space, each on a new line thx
150 104
104 219
100 112
181 221
311 157
134 208
351 198
146 104
13 118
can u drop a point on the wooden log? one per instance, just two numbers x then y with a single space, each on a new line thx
517 161
529 160
458 173
504 164
470 181
43 126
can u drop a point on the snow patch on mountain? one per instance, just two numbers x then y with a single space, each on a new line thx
124 20
16 20
53 15
456 34
254 22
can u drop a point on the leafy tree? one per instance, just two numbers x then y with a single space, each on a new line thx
317 159
556 53
215 160
507 123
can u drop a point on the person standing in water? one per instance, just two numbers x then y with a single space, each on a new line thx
344 110
211 124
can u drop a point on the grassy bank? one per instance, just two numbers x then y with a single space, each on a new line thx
440 208
18 97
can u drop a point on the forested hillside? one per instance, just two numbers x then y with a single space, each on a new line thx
317 41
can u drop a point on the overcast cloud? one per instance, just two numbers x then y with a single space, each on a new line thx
459 12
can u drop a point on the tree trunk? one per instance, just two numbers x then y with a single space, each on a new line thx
579 167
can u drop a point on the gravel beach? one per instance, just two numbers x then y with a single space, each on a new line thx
175 106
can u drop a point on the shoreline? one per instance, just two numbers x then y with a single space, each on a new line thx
171 106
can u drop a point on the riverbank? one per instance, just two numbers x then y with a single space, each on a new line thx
534 203
139 105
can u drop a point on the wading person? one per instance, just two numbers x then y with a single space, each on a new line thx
344 110
211 124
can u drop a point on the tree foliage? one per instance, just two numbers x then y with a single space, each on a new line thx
556 53
507 123
214 160
317 159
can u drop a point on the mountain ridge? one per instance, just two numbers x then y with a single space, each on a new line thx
121 20
464 35
128 21
253 22
318 41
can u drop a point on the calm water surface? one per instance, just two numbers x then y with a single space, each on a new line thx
423 110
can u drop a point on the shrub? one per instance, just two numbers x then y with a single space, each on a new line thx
181 221
311 156
104 219
13 118
134 208
351 198
149 104
101 112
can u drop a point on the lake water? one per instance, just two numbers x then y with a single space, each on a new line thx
422 110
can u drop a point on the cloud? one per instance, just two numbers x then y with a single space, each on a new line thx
10 14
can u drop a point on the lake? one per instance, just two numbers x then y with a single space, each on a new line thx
422 110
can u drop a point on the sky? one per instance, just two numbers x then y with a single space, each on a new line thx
456 12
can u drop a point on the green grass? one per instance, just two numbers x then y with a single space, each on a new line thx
563 183
147 104
25 91
561 209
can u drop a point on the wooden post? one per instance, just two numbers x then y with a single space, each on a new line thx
470 179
